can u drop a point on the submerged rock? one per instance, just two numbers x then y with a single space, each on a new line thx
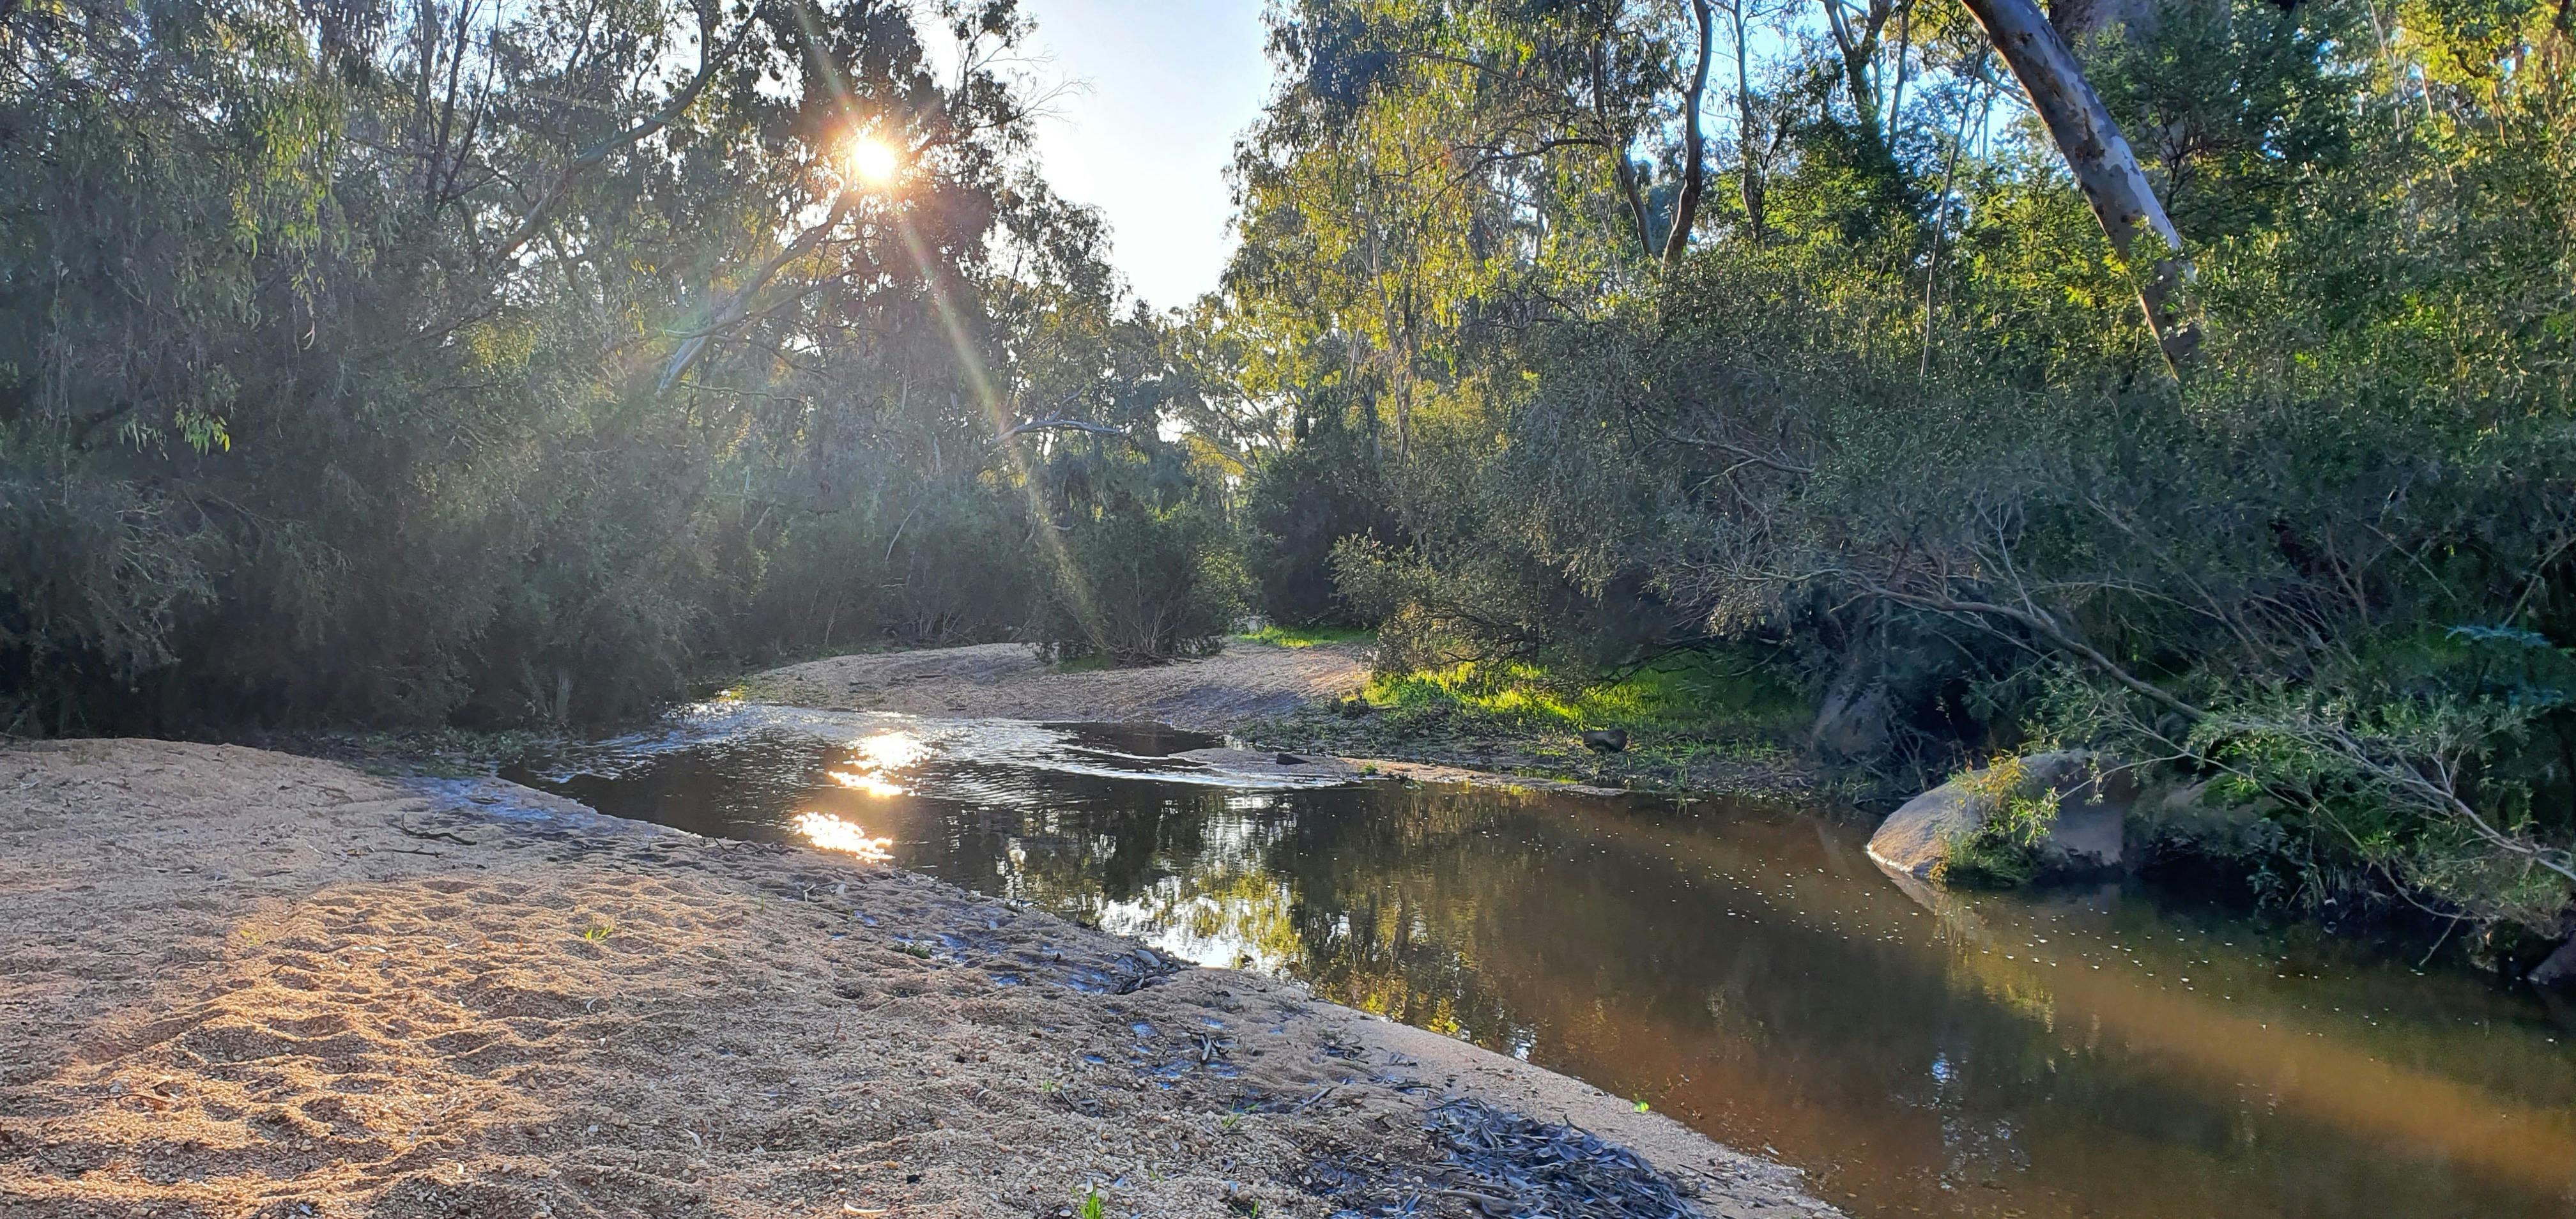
2088 835
1270 764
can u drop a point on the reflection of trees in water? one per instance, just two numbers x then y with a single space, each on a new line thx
1743 968
1397 895
1088 843
1709 966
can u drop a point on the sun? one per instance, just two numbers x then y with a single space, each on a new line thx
874 161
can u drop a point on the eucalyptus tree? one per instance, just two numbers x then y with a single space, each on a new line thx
407 360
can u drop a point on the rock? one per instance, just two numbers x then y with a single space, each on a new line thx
1606 740
2088 836
1271 764
2559 969
1852 723
2195 817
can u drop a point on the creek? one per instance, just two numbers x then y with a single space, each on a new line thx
2111 1050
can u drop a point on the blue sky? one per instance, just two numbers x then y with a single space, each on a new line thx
1163 87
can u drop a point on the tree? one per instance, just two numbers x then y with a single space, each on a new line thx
2103 166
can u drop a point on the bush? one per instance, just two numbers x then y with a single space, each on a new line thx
2005 849
1138 585
1301 503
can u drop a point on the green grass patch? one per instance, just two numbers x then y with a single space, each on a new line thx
1695 722
1684 692
1309 636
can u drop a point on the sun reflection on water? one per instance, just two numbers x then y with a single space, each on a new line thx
834 834
889 750
873 785
876 758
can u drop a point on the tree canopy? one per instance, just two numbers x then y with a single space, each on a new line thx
462 362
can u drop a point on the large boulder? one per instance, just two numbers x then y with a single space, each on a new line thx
2092 812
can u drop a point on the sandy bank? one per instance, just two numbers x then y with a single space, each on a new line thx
1005 681
239 983
1246 682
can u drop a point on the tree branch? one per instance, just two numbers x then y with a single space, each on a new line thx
589 158
1694 155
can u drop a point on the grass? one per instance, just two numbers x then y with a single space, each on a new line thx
1091 1206
1308 636
1696 721
1684 692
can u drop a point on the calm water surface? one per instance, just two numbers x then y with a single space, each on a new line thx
2098 1052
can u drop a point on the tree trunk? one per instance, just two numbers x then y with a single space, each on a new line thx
1694 157
2100 159
1857 39
1750 184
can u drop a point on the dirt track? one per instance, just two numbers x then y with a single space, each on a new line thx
1005 680
238 983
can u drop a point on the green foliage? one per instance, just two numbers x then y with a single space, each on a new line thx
1308 636
354 369
2003 850
1299 504
1138 583
399 367
1895 427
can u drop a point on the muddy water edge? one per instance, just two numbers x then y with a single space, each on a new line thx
2103 1051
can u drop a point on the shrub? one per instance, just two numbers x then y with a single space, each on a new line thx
1139 585
2005 848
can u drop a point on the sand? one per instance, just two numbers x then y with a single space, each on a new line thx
1246 683
1005 681
239 983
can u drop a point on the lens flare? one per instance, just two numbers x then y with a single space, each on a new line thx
833 834
873 161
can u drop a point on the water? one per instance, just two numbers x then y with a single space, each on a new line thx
2107 1051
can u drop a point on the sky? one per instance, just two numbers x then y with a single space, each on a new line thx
1161 88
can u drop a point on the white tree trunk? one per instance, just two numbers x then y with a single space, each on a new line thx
2100 159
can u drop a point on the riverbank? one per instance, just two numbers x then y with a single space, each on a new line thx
1300 699
247 983
1007 681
